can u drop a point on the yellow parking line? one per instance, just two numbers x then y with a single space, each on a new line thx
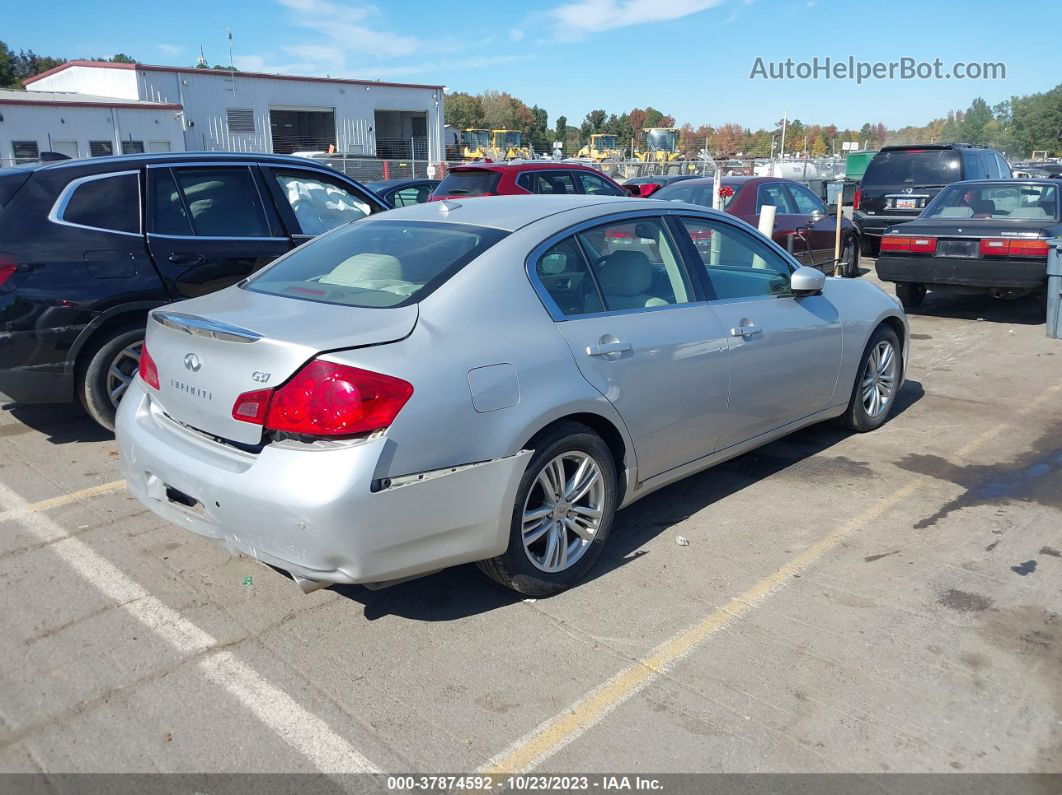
557 732
64 499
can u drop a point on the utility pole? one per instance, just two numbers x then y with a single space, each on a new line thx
785 118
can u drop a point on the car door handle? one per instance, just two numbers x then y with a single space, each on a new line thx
746 331
178 258
605 348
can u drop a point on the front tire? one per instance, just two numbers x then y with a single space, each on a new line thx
848 267
910 295
110 366
562 514
877 383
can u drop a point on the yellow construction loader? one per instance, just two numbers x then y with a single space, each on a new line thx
659 145
508 145
476 144
601 147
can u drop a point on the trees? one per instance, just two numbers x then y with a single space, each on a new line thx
464 111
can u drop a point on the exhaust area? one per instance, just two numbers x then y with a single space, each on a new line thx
309 586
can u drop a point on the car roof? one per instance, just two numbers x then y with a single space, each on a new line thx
179 157
524 165
736 179
503 212
1053 181
390 183
907 147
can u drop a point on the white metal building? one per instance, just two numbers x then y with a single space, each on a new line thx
84 125
246 111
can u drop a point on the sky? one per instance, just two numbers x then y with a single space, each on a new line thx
689 58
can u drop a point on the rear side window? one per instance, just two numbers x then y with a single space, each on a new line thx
110 203
773 193
564 273
222 202
547 182
914 167
376 263
170 217
468 183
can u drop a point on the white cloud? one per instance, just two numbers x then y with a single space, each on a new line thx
170 49
581 18
516 34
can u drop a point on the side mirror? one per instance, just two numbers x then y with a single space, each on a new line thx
807 281
832 209
815 217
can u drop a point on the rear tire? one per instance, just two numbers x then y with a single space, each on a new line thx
880 374
543 519
910 295
109 367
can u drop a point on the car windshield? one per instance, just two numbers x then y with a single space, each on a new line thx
914 167
661 139
1006 200
468 183
697 193
375 263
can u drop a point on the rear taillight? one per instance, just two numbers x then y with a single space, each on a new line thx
857 198
326 399
914 245
1002 247
149 372
8 266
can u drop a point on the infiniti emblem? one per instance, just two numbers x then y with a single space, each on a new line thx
191 361
908 190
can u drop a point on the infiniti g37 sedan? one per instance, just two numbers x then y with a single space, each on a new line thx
489 380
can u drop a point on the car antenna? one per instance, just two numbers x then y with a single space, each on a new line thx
448 205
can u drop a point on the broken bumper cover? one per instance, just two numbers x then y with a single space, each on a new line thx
313 512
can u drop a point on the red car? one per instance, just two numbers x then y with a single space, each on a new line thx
799 213
515 179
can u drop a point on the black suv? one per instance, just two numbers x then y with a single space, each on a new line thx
88 247
900 181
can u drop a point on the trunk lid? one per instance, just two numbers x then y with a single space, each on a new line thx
212 349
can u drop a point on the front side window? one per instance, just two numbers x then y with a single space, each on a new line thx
1000 201
773 193
111 203
737 264
376 263
564 273
319 204
596 186
806 201
636 264
417 194
222 202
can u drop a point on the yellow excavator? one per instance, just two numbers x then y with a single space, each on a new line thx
601 147
661 145
476 144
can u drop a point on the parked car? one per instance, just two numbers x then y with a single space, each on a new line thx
976 237
523 177
403 192
88 247
489 380
647 186
799 213
901 180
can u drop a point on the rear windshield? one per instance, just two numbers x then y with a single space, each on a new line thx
1006 200
914 167
698 193
375 263
462 183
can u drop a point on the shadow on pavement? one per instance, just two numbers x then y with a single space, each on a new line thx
60 423
461 592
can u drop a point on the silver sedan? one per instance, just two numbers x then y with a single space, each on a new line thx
490 380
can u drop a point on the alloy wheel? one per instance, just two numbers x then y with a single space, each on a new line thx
563 510
848 255
879 379
122 371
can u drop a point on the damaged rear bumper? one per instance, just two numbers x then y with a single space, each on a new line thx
326 515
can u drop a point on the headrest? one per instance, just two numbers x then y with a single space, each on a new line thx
626 273
355 271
